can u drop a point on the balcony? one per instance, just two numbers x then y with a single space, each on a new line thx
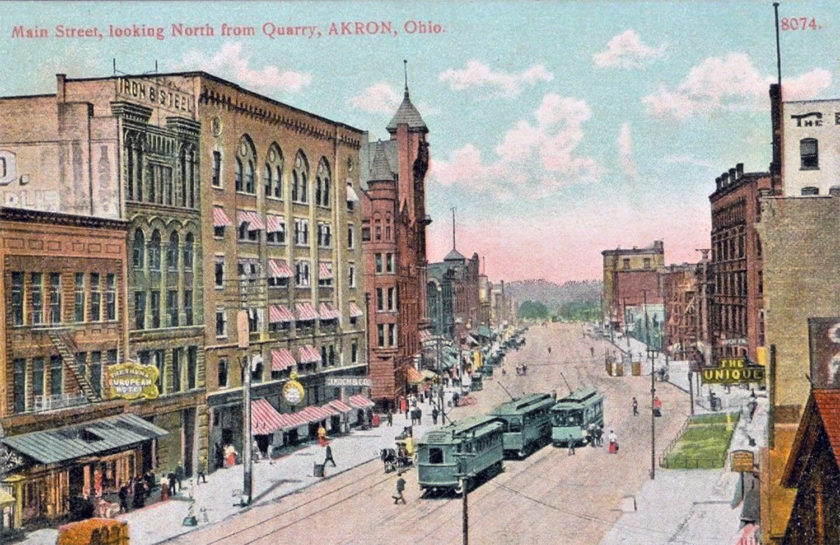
58 401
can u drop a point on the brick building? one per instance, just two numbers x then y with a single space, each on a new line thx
394 240
681 294
458 278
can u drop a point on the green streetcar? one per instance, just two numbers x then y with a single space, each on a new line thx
573 415
471 447
527 423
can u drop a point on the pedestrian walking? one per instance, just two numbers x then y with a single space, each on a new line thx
657 406
571 446
419 414
549 350
613 442
434 416
164 488
180 474
592 351
329 456
390 418
139 499
172 482
406 412
123 495
202 470
400 489
635 407
524 369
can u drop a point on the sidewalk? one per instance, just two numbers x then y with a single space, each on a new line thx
219 497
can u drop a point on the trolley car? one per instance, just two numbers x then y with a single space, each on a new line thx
527 422
573 416
470 447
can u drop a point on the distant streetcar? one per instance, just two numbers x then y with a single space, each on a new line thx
527 422
471 447
573 415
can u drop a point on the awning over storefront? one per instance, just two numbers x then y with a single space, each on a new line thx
325 271
293 420
340 406
360 402
314 413
305 311
94 437
281 359
428 373
276 224
220 219
279 313
355 311
309 354
352 196
328 312
278 268
413 376
254 221
265 418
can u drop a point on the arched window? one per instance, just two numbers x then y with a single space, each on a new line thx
246 160
809 153
267 175
237 174
189 245
172 252
183 173
322 183
249 176
129 168
273 172
388 225
138 168
138 253
154 251
300 176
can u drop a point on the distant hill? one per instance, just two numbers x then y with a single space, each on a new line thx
555 296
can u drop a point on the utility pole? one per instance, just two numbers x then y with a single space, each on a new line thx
243 337
465 514
652 394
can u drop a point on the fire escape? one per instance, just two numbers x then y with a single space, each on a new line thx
62 339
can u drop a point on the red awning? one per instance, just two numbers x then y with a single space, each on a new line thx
330 410
360 402
265 418
220 219
355 311
281 359
328 311
314 413
413 376
279 314
254 221
309 354
340 406
325 271
293 420
305 311
275 223
278 268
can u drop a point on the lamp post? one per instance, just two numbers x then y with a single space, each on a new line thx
652 393
626 329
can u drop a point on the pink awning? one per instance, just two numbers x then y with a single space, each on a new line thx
305 311
265 418
278 268
309 354
355 311
328 311
254 221
279 314
293 420
220 219
360 402
325 271
330 410
275 223
281 360
341 406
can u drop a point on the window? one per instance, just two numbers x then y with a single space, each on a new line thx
249 176
81 365
435 456
267 179
221 323
388 224
217 169
17 298
248 233
172 307
324 235
392 298
255 316
379 268
351 239
37 298
325 276
110 297
302 274
95 298
189 251
389 263
332 354
56 375
138 249
322 184
219 231
96 372
158 361
192 367
810 190
80 297
188 307
354 352
380 299
301 232
625 263
172 252
351 272
155 309
392 334
300 178
276 232
647 263
20 385
237 174
365 233
55 298
809 154
38 375
223 372
177 355
154 251
380 335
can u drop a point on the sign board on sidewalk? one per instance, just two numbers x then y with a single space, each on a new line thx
349 381
742 460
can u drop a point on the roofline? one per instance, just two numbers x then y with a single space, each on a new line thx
28 215
19 97
739 183
815 100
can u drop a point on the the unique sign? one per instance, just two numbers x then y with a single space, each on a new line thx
348 381
131 380
741 460
732 371
293 391
824 337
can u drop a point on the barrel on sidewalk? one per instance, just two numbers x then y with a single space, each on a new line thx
318 470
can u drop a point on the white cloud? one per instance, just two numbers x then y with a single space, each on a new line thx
626 50
625 152
688 160
479 77
234 62
378 98
535 157
726 84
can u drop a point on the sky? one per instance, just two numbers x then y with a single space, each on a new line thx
557 129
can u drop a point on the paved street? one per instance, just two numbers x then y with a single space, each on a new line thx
547 498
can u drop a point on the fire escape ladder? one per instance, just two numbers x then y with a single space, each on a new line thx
62 339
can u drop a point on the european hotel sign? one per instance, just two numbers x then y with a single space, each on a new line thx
132 380
733 371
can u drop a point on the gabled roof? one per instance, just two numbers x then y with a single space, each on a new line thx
822 413
407 114
454 255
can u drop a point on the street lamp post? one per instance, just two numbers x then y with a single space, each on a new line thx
652 394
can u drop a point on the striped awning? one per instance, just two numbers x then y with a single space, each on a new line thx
414 376
355 311
254 221
325 271
220 219
330 410
305 311
360 402
278 268
352 196
313 413
293 420
275 223
309 354
328 312
281 359
340 406
279 314
265 418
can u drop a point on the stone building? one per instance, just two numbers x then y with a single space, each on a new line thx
458 278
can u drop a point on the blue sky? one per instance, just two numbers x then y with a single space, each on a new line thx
557 129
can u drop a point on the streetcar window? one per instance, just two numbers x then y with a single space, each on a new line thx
514 425
435 456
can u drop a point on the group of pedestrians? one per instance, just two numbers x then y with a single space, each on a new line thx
139 489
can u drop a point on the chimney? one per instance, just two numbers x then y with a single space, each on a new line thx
739 169
60 93
724 179
732 177
717 183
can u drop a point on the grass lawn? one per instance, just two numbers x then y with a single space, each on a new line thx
703 445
